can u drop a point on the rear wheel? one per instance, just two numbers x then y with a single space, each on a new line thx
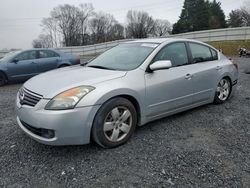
114 123
223 91
3 79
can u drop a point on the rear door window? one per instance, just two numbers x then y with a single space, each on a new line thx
47 54
200 53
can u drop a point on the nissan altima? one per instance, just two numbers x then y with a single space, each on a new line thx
125 87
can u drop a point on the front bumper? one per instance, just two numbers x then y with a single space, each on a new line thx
70 127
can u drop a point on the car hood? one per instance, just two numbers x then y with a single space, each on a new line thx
51 83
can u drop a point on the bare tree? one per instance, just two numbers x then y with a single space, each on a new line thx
36 43
116 32
246 6
245 17
43 41
69 25
162 27
139 24
86 11
104 28
235 18
50 28
240 17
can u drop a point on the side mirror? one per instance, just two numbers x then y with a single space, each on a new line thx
159 65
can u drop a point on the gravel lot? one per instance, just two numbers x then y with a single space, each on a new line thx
205 147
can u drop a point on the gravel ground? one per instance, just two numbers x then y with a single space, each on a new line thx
205 147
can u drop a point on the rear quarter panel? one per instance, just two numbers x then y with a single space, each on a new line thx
69 59
228 69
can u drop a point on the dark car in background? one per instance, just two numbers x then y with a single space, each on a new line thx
22 65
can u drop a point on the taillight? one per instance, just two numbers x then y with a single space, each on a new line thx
78 61
234 63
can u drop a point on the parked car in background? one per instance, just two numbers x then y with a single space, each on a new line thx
22 65
129 85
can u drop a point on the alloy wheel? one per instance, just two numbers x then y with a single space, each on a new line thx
223 89
117 124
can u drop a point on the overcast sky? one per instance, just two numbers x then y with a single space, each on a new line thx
20 19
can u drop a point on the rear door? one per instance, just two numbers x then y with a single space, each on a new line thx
24 65
48 60
206 71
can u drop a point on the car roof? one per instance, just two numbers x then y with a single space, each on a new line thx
169 40
40 49
36 49
162 40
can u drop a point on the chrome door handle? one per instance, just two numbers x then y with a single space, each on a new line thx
188 76
218 68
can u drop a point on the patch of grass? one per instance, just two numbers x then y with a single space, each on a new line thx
231 47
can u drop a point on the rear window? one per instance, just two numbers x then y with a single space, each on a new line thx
47 54
214 54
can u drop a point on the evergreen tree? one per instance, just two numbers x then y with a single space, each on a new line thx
216 15
194 16
199 15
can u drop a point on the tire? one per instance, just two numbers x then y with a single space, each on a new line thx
114 123
223 91
3 79
62 66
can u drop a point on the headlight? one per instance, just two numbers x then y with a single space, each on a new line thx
68 99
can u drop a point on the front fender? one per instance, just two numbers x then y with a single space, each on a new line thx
101 95
111 89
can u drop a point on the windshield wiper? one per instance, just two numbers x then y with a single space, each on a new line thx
100 67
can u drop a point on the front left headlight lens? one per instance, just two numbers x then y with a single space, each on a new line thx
68 99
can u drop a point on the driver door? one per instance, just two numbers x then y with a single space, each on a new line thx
23 66
170 89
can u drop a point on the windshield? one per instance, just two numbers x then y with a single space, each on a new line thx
9 55
124 56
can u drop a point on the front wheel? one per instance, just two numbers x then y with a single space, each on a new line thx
114 123
223 91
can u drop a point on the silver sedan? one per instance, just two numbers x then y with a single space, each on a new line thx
127 86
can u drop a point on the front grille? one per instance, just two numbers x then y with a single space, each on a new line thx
28 97
46 133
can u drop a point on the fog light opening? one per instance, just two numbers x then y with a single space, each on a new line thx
47 133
